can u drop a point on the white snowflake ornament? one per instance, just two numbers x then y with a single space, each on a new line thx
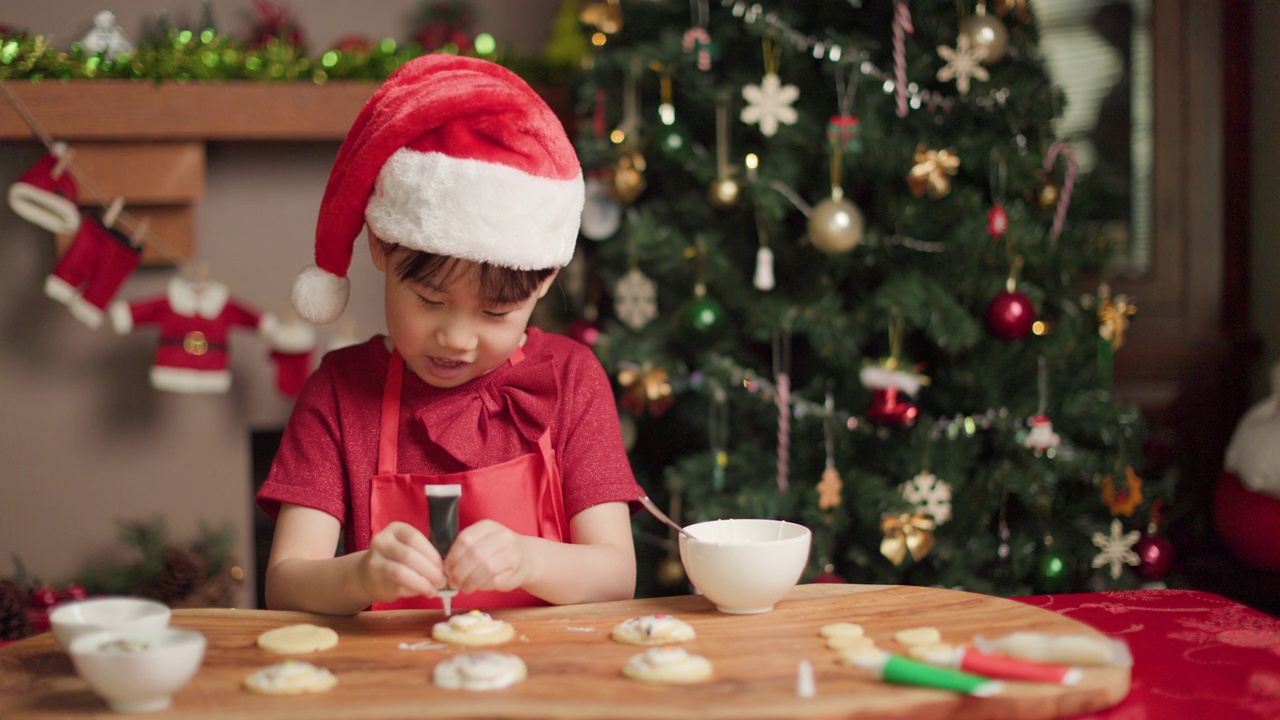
963 64
769 103
930 496
1116 549
635 299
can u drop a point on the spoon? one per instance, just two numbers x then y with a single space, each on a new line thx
653 510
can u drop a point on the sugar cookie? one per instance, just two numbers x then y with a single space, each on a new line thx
850 642
918 636
658 629
301 638
852 656
841 629
290 677
473 628
927 650
668 665
480 671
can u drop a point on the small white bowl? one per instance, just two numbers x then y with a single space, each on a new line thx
138 670
745 566
70 620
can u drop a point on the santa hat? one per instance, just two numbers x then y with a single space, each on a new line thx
45 197
454 156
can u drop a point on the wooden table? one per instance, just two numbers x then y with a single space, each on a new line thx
575 669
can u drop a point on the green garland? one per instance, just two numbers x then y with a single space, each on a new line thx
183 55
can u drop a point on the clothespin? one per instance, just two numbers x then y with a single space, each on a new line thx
138 237
113 211
64 159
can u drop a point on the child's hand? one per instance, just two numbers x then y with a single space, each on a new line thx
401 562
487 556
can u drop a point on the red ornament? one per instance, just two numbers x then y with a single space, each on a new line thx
828 577
44 597
584 331
893 407
1011 315
997 221
72 591
1155 555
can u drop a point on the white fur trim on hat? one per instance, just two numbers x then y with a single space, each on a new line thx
320 296
43 208
476 210
59 289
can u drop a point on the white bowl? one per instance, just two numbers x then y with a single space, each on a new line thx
70 620
138 670
745 566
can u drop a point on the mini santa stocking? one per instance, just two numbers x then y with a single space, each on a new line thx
89 273
292 344
46 194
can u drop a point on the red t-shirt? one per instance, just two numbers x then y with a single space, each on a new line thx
329 452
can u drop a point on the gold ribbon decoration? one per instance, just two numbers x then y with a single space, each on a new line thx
1113 316
905 533
931 172
646 388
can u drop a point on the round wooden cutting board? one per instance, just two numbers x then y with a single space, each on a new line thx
575 668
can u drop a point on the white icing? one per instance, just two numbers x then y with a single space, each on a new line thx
479 671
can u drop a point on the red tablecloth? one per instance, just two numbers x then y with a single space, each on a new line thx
1195 654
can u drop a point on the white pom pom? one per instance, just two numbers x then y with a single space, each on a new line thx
320 296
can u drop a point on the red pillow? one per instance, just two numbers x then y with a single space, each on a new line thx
1248 522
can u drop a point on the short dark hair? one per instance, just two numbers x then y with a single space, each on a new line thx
499 285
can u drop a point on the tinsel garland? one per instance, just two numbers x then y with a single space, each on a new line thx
184 55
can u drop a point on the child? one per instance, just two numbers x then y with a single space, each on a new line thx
472 195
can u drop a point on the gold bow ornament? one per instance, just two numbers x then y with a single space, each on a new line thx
1113 316
932 172
905 533
645 387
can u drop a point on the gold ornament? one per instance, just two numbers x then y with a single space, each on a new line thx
671 571
829 489
835 225
1047 197
931 171
905 533
724 192
986 31
603 15
626 178
645 388
1113 316
1122 500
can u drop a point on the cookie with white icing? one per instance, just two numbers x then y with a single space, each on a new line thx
658 629
667 664
480 671
290 677
473 628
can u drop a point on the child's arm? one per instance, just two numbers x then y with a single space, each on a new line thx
303 574
598 565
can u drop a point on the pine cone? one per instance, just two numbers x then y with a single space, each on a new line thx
182 572
15 623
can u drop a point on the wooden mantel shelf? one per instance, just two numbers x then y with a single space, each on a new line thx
135 110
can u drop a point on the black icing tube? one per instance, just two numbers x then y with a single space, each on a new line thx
442 511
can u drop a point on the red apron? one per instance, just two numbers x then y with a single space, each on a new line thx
523 494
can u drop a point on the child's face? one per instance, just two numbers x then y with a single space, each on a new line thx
449 333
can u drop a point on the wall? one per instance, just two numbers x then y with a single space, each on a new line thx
84 440
1265 221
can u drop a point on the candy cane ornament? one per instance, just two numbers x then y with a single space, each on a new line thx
1064 197
901 26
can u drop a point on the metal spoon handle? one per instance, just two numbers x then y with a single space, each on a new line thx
653 510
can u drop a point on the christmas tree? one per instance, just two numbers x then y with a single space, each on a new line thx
842 272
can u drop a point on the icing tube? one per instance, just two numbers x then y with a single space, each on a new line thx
1005 667
442 514
905 671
